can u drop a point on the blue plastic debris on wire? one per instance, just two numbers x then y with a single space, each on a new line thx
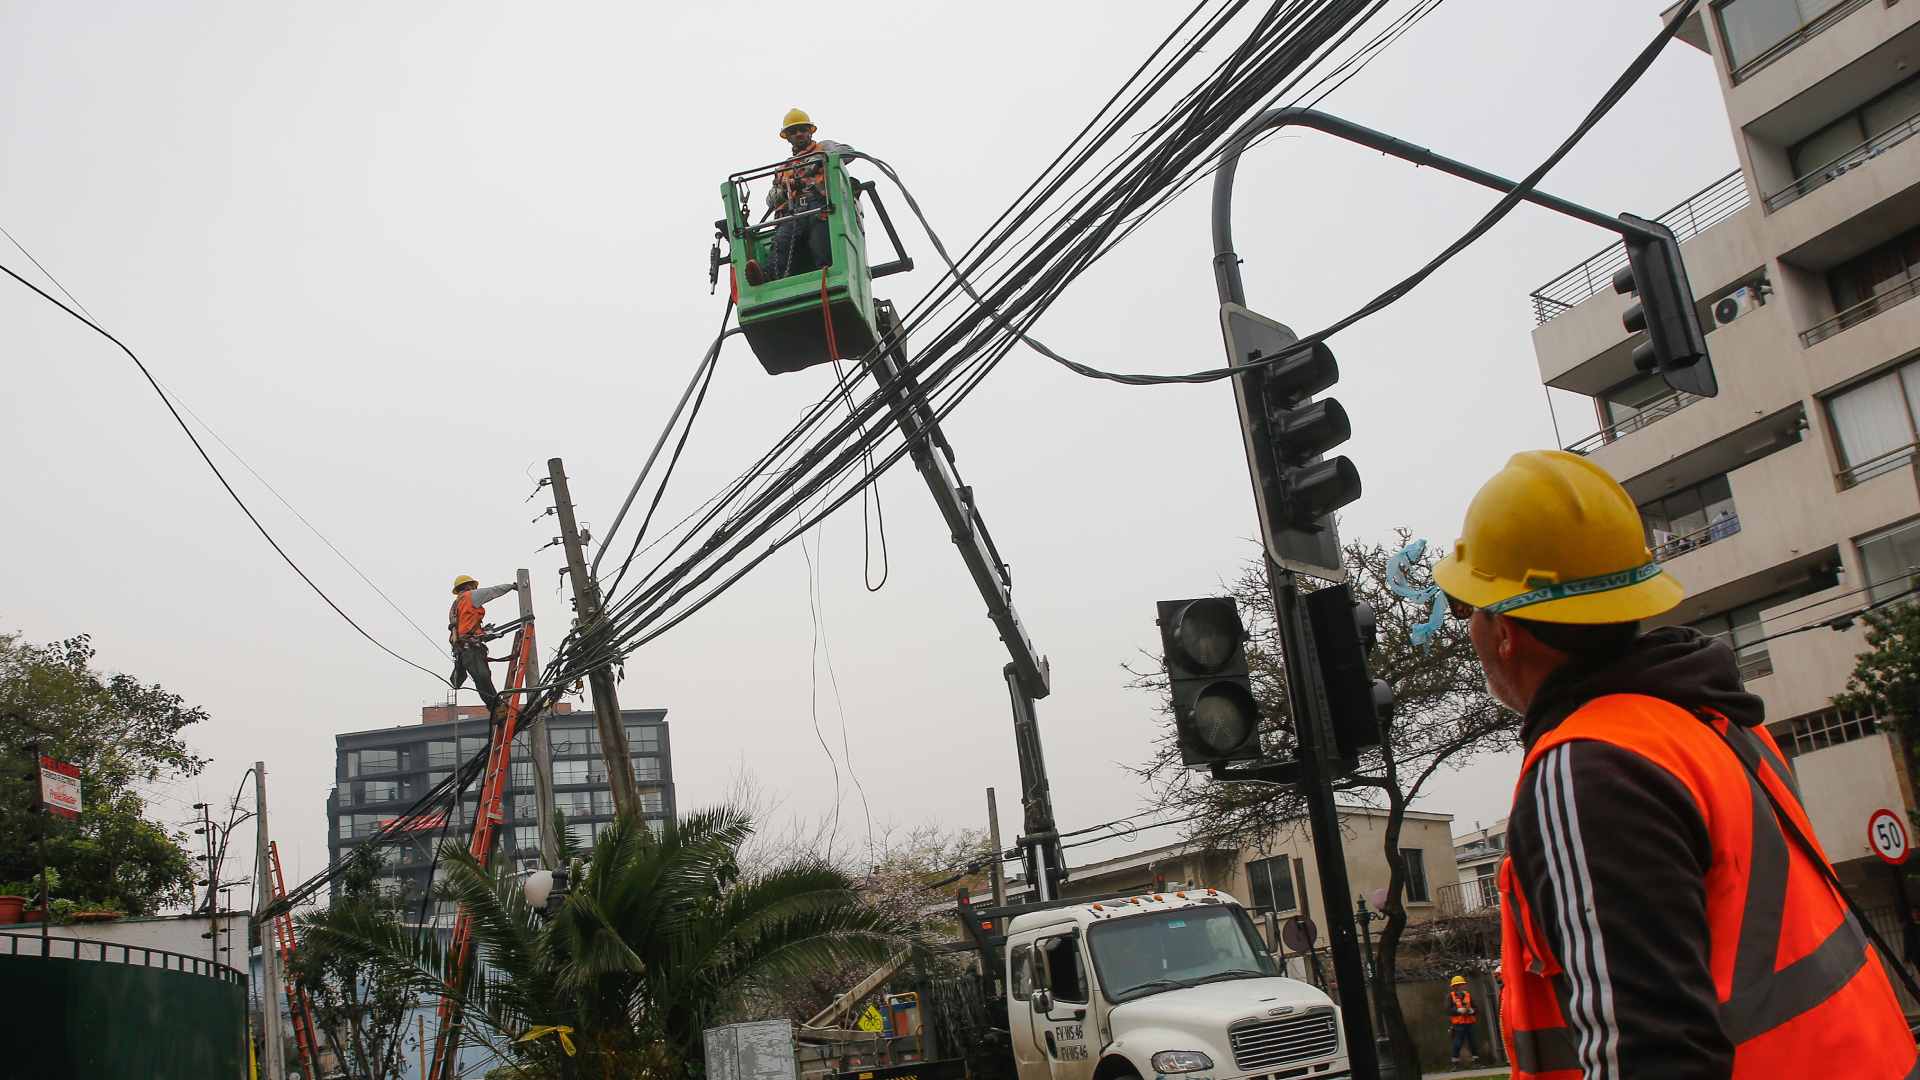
1430 595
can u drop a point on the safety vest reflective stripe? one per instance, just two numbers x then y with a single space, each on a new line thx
1758 998
794 178
1545 1050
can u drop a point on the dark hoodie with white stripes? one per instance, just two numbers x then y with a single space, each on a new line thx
1646 852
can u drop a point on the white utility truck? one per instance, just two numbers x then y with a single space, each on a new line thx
1160 985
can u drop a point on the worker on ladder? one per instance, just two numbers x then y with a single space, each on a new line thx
467 631
800 243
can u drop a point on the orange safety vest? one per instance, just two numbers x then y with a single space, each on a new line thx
1460 999
800 176
464 619
1800 992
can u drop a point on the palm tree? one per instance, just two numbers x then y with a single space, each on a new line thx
658 940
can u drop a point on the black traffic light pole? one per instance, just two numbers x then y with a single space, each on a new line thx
1676 342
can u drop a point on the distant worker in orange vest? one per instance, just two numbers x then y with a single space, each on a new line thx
1665 909
800 243
467 632
1460 1020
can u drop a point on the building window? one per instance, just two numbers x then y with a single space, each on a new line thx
1832 143
1891 561
1416 884
362 762
1690 517
1022 981
643 738
526 838
1828 727
440 754
1752 28
1883 272
576 740
521 774
646 768
1742 629
1624 402
1270 884
581 771
1873 423
343 795
650 802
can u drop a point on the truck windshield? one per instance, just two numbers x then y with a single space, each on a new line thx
1143 954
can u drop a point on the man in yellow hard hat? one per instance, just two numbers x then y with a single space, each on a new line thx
1665 909
467 633
800 242
1461 1017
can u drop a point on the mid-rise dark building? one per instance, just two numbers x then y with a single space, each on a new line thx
379 774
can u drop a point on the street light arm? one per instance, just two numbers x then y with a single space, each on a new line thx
1226 264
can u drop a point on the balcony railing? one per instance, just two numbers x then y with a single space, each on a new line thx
1879 463
1697 213
1846 162
1652 412
1674 546
113 952
1807 32
1861 312
1472 896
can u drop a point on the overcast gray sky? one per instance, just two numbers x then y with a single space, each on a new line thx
399 255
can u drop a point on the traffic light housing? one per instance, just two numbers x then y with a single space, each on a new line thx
1287 435
1215 715
1358 705
1676 347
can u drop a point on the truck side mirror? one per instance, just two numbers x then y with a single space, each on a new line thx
1042 1001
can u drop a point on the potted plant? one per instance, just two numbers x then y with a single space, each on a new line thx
13 901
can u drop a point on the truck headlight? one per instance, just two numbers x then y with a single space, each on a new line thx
1180 1061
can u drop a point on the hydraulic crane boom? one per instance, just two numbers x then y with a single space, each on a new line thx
1026 673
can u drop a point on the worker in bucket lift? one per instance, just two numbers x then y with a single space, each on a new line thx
800 242
467 633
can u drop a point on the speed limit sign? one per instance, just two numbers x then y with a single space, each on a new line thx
1887 835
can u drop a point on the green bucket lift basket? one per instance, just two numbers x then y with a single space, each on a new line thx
783 319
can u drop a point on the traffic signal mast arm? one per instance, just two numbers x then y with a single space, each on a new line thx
1026 672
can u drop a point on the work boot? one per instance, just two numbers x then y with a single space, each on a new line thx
755 276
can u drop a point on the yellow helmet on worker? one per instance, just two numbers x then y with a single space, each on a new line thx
461 582
796 118
1458 980
1552 538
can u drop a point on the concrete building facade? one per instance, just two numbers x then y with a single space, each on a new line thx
380 773
1792 497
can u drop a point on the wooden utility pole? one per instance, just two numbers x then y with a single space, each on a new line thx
273 990
538 735
587 617
996 873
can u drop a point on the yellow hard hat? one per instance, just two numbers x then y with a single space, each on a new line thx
795 118
1458 980
463 580
1553 538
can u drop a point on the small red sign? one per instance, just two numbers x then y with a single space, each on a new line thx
59 787
1887 836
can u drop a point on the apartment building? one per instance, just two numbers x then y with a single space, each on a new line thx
1476 860
1792 497
380 773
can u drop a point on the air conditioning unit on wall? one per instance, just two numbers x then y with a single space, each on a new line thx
1735 304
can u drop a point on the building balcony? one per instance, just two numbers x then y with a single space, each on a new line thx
1858 157
1745 65
1472 896
1672 547
1693 215
1861 312
1651 413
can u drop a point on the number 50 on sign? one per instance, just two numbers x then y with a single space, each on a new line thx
1887 835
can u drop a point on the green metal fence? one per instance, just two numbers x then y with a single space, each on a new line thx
94 1010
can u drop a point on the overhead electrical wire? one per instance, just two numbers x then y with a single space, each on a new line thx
224 484
1284 43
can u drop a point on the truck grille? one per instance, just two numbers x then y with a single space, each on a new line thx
1259 1045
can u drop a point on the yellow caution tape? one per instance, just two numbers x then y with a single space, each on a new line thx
562 1030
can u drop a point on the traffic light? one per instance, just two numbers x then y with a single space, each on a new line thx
1676 347
1287 435
1358 704
1214 712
